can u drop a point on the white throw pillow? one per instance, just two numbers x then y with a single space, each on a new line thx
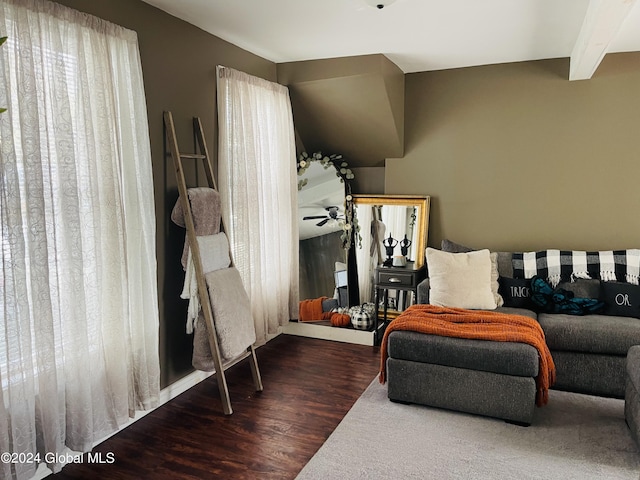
461 280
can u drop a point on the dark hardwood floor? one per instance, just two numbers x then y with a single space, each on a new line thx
309 385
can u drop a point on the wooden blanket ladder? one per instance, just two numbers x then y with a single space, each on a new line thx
203 292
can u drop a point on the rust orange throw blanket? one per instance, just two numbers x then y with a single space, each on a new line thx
480 325
311 310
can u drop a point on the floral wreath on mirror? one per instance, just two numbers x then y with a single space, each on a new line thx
350 226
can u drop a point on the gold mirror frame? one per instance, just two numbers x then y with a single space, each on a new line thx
422 220
422 202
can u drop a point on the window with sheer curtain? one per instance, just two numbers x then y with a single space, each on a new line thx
257 183
78 291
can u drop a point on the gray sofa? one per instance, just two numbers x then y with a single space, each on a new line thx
632 395
492 379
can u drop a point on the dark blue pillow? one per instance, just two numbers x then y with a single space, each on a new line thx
621 299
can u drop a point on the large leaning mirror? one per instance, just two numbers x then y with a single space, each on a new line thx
324 222
405 218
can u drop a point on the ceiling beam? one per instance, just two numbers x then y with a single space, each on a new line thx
601 24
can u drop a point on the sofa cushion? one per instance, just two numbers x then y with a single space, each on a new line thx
558 300
508 358
461 280
590 373
582 288
633 367
505 266
518 311
452 247
423 291
602 334
621 299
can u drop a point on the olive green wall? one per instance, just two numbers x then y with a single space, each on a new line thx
178 64
516 157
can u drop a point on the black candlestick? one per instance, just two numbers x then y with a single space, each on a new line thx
404 246
389 245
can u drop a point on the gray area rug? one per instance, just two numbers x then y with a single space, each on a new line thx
573 437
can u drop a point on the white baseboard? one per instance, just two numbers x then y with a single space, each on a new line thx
326 332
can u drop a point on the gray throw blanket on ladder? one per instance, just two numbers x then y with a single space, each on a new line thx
233 320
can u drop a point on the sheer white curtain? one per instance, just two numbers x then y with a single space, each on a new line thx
366 254
257 183
78 291
395 220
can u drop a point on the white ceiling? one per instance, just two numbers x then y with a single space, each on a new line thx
420 35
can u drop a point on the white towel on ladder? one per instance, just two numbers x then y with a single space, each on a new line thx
214 254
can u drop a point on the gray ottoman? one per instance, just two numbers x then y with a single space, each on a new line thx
495 379
632 393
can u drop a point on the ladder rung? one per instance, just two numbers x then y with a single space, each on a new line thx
197 156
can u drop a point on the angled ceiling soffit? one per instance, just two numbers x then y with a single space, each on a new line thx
356 108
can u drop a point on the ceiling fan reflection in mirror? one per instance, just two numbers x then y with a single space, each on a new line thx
332 215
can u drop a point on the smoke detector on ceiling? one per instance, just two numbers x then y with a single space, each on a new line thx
379 4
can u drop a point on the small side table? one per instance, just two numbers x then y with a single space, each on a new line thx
404 279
